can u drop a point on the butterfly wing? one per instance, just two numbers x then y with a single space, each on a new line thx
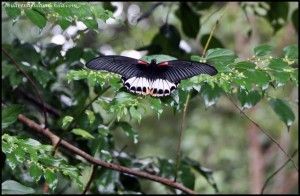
177 70
125 66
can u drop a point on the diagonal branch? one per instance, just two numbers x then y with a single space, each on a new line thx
264 131
97 162
278 170
31 82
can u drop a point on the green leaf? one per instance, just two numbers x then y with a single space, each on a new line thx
64 11
262 50
64 23
277 14
12 10
13 187
42 75
187 177
130 132
66 121
135 114
210 94
257 77
291 52
90 23
82 133
283 110
35 171
36 18
159 58
220 57
51 179
10 114
90 115
248 99
295 19
244 65
277 64
190 21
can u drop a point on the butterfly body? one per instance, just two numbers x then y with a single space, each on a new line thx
155 79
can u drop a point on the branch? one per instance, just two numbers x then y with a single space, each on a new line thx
31 82
54 139
265 132
88 184
278 170
149 12
51 110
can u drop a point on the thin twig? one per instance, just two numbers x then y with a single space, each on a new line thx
31 82
51 110
212 32
278 170
178 154
77 116
264 131
76 151
149 12
88 184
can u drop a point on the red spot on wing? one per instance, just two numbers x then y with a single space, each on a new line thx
163 64
141 62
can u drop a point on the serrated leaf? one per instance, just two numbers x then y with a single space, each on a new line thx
187 177
90 23
277 14
35 171
210 94
90 115
220 57
13 187
51 179
36 18
277 64
42 75
248 99
291 52
159 58
10 114
130 132
82 133
262 50
12 10
135 113
283 110
244 65
66 121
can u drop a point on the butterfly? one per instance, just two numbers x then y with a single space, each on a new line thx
155 79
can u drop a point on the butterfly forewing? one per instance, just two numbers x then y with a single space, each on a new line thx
177 70
125 66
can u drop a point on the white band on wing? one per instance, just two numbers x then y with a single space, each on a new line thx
145 86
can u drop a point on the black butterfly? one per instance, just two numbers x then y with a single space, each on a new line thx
156 79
